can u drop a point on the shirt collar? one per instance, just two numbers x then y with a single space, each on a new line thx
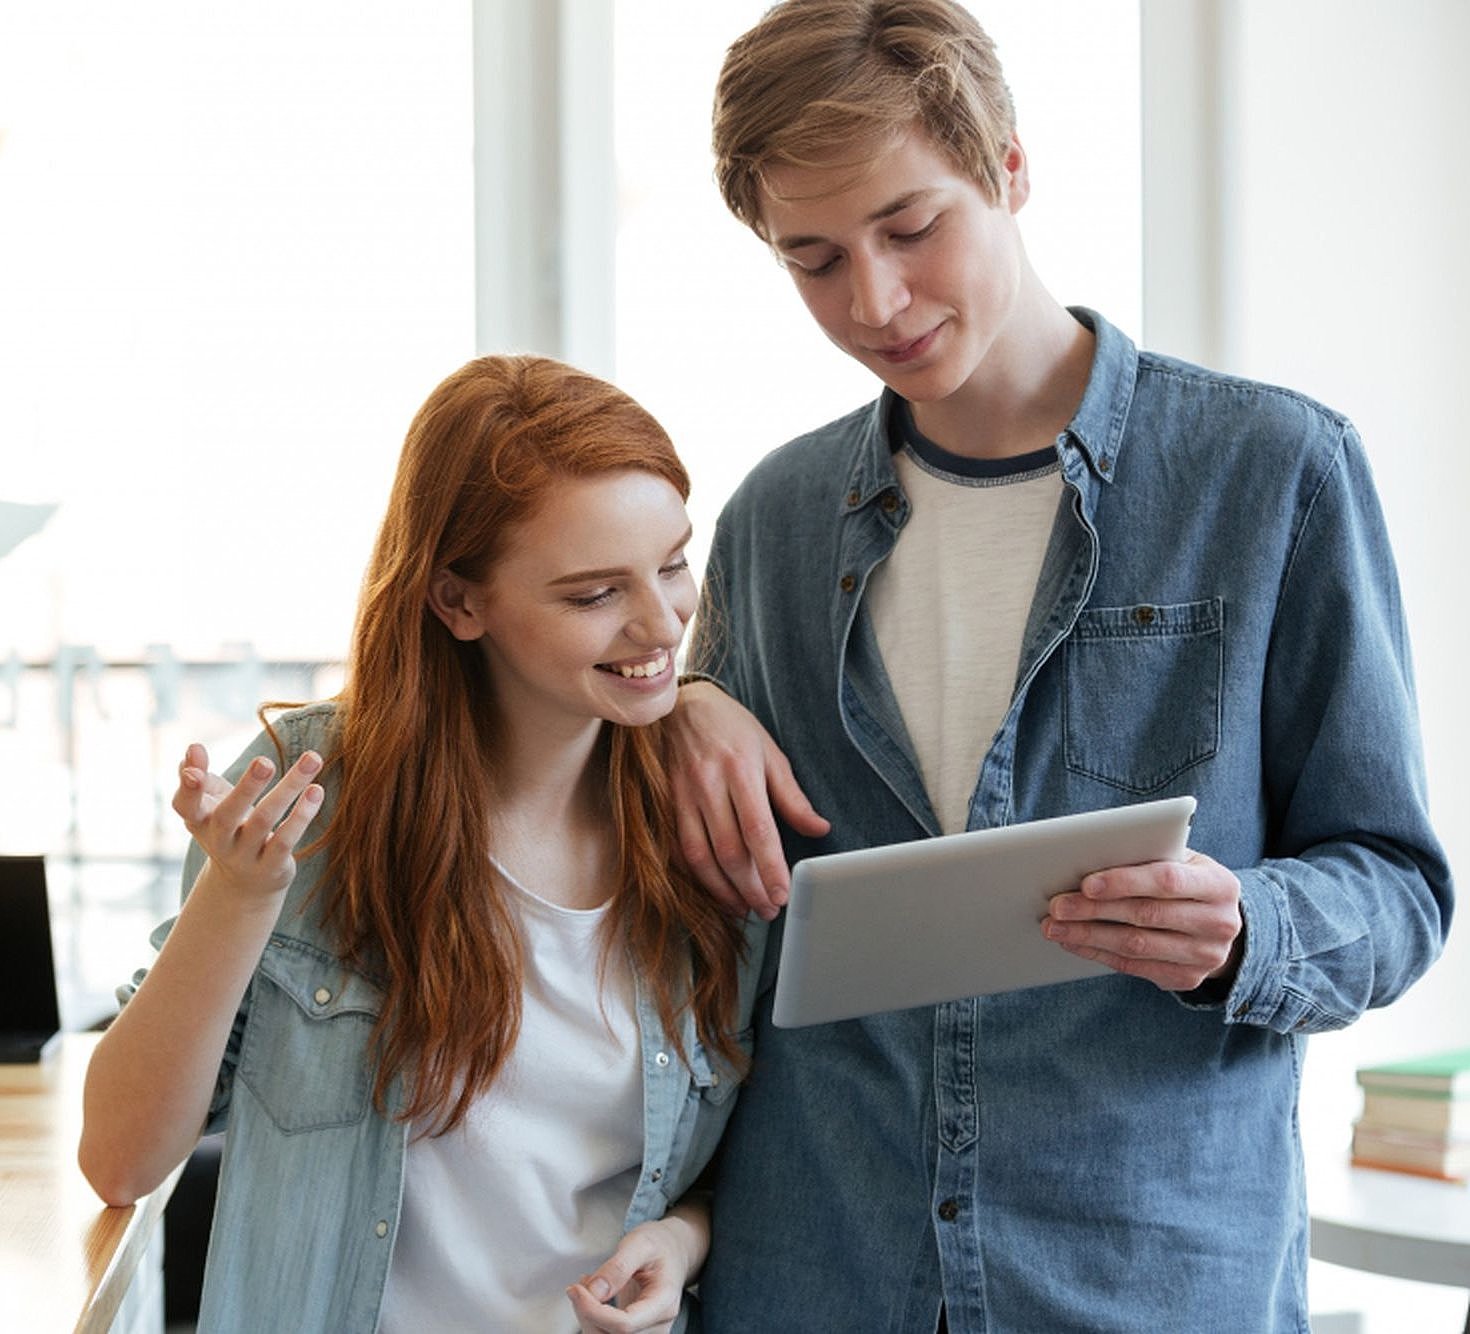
1097 428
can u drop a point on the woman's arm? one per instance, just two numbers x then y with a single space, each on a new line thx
647 1274
150 1081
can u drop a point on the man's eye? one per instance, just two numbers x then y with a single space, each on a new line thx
917 235
809 270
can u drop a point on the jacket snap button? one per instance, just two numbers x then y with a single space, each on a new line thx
382 1227
847 583
1144 615
852 498
657 1174
889 502
322 996
661 1060
949 1210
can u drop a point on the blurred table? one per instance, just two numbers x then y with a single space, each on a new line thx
1390 1223
67 1261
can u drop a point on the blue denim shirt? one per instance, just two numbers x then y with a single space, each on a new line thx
1218 615
311 1175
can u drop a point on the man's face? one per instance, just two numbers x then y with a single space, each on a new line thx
906 266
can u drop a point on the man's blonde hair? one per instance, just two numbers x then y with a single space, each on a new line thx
831 82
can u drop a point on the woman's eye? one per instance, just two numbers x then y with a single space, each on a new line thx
675 566
594 599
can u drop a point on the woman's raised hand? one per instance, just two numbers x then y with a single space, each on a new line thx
249 829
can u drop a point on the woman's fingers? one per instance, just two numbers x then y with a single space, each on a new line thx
271 809
250 814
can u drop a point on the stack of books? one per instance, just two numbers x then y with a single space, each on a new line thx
1416 1116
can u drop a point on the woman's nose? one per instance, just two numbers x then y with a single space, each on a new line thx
657 619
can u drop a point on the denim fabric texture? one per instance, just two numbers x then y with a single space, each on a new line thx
1218 614
311 1175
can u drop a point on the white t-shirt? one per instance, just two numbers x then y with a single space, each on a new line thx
949 605
530 1191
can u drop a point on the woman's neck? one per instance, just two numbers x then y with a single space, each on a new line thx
551 825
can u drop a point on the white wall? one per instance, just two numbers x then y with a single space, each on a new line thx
1337 134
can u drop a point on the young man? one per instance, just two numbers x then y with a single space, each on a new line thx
1043 573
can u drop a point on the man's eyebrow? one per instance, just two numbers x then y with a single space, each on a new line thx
887 211
612 571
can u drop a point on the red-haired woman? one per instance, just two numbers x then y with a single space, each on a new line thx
479 1034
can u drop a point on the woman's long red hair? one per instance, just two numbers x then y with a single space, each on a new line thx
409 885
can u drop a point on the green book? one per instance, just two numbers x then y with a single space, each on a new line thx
1444 1075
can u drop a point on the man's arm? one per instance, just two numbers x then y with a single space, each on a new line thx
730 781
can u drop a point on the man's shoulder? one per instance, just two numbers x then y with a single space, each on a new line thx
1225 416
822 457
1224 393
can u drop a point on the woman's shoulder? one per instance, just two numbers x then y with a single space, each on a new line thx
306 727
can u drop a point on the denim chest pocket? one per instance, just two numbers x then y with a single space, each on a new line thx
1141 692
305 1049
713 1083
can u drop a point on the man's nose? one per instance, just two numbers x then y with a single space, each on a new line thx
878 290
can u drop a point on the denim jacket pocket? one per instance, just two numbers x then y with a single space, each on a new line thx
1141 696
305 1049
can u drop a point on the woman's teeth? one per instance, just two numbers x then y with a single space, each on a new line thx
651 668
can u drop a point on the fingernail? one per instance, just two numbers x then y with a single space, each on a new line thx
260 767
310 762
189 777
600 1288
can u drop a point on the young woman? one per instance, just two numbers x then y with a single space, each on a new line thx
478 1034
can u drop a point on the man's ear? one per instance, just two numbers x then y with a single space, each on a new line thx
457 603
1017 183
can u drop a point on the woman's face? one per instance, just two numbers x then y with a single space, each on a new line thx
580 617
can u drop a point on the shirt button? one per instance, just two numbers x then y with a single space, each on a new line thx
1104 463
382 1227
1242 1011
661 1059
949 1210
657 1174
889 503
847 583
852 498
714 1080
1144 615
322 996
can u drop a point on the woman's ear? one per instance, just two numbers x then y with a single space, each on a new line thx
457 603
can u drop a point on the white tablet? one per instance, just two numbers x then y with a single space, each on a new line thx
944 918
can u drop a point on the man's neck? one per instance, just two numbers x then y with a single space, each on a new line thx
1024 394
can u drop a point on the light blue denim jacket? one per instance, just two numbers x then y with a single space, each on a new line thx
311 1176
1217 614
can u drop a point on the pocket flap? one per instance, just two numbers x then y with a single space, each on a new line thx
320 985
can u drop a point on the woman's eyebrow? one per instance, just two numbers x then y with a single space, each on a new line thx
613 571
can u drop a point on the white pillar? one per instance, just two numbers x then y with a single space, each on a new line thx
545 215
